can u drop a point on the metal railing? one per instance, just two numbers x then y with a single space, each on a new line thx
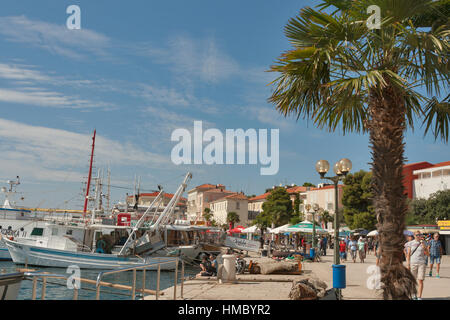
45 276
143 267
34 276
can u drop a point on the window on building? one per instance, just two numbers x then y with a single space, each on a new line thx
330 206
446 172
436 173
425 175
237 205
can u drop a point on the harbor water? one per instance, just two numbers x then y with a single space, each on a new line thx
56 289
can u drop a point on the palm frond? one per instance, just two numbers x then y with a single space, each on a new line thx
437 118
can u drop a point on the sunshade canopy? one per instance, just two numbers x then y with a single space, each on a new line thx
306 227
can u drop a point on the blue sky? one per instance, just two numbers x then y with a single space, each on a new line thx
136 71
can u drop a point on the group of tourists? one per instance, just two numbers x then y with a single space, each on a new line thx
208 266
357 247
419 251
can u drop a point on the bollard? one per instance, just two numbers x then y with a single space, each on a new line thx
229 268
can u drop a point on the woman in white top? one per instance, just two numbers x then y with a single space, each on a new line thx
362 249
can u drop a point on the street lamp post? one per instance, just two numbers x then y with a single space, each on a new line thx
308 208
341 169
315 209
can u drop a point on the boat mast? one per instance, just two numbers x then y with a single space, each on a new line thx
109 191
89 177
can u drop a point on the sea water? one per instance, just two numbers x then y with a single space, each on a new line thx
56 289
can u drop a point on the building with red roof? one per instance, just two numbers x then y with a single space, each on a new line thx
201 196
236 202
430 179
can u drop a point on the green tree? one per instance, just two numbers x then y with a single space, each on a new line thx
297 216
326 217
233 217
438 206
343 75
263 221
357 201
207 215
417 212
428 211
278 207
308 184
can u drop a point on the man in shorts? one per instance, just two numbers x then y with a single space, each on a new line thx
416 260
435 248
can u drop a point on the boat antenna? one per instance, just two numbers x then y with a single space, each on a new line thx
89 177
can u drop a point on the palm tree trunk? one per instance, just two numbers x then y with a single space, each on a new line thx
387 127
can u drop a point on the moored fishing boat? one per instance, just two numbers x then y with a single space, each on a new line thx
44 256
94 246
15 221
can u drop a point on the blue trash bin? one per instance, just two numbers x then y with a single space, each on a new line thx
339 276
312 252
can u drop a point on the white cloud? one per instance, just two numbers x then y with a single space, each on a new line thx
54 38
191 58
59 155
21 73
26 87
44 98
270 116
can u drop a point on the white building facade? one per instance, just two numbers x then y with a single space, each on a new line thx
233 203
431 180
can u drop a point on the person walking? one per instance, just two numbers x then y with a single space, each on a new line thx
353 244
325 243
435 248
361 249
409 239
416 260
303 245
343 250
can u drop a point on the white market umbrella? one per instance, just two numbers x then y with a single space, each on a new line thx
372 233
252 229
281 229
375 233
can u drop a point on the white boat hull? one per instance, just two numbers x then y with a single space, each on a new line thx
4 253
47 257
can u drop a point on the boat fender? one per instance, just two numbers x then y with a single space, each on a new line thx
11 238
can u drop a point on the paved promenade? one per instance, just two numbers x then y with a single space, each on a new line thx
357 276
277 287
248 287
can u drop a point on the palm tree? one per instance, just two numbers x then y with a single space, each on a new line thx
233 217
207 215
342 75
326 217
